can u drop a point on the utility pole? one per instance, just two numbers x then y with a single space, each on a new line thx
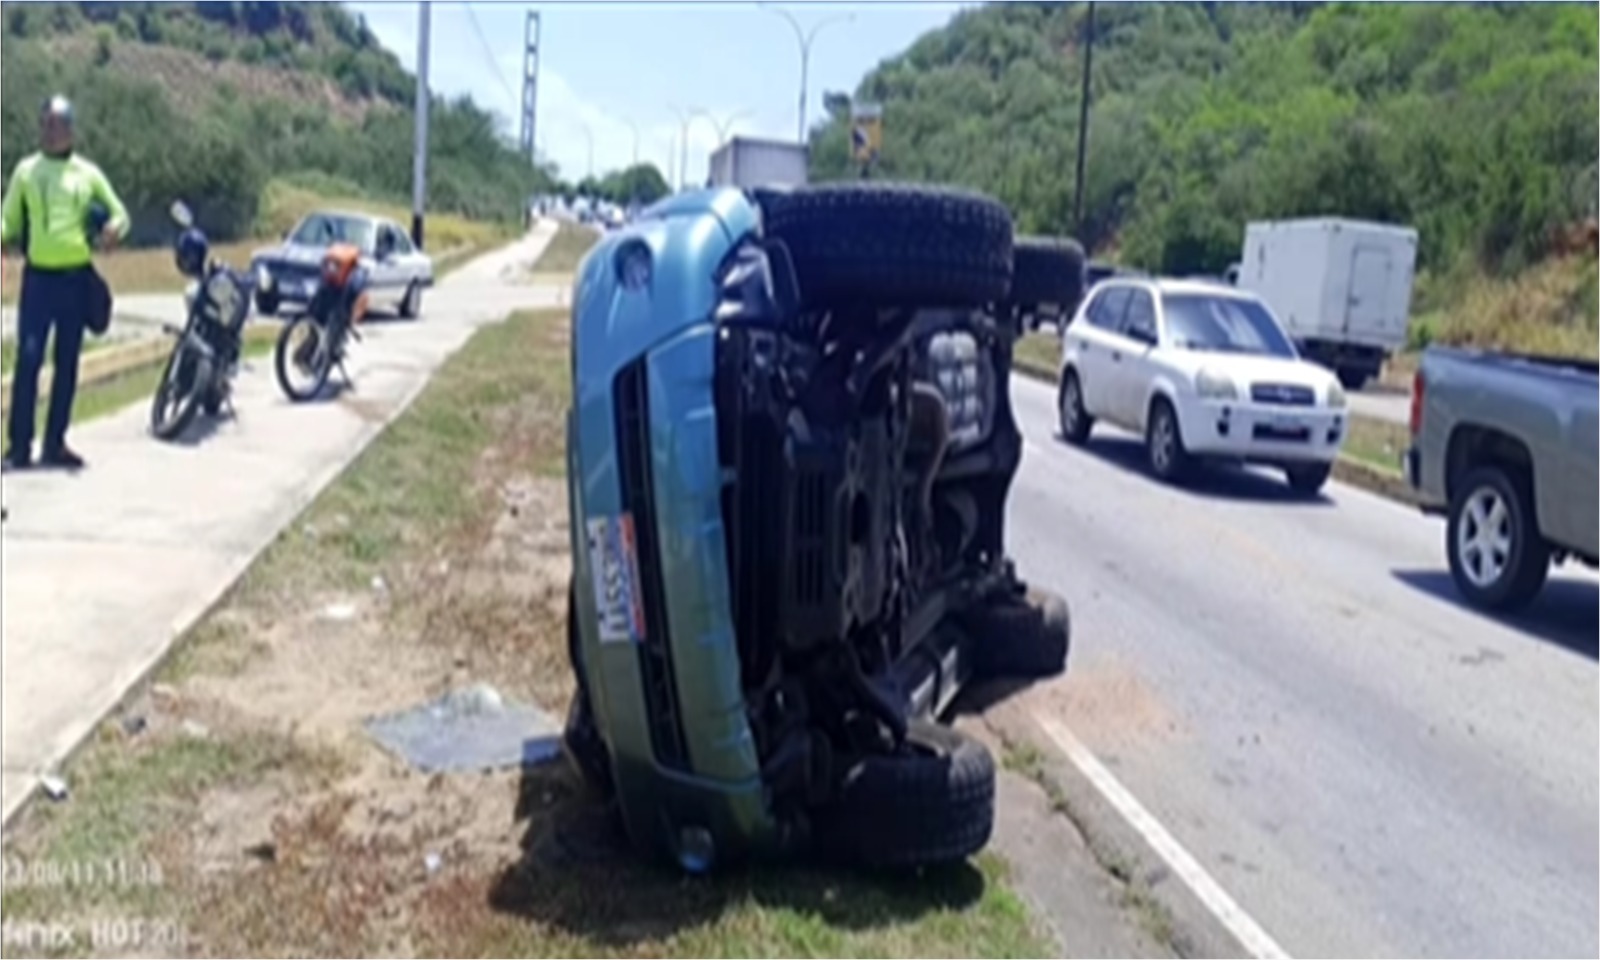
530 88
1083 123
419 166
804 38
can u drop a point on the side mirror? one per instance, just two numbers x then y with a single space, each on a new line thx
181 214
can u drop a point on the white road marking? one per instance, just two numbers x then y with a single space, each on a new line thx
1256 941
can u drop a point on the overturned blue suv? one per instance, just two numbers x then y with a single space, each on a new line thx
789 454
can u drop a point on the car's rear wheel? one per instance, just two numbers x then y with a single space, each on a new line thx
884 244
929 804
1075 420
1308 479
1164 449
1497 557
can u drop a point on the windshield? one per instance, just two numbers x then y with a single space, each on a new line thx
322 230
1197 321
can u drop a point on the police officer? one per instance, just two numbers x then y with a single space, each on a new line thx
48 207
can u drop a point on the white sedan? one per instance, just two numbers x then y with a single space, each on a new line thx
1201 371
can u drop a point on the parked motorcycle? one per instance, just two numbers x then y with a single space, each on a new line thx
313 342
205 355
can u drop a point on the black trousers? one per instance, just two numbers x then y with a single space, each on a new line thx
56 300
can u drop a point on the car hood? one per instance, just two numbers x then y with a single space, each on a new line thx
1247 369
292 254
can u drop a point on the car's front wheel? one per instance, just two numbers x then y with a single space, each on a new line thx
1497 557
411 303
1169 459
1075 420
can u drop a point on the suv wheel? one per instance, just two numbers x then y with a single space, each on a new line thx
1497 557
930 804
1075 420
1163 440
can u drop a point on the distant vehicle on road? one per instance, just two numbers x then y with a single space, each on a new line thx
1341 287
1508 448
397 270
1204 372
752 162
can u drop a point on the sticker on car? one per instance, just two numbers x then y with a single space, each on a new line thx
614 564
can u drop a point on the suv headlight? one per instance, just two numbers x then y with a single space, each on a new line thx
1336 397
1213 385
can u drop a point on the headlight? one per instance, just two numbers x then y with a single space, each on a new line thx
1212 385
1336 396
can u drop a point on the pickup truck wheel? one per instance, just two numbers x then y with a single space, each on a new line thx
1048 270
581 739
411 303
1163 441
1021 637
931 803
1075 420
1497 557
1308 479
885 244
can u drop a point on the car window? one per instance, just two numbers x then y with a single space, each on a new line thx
1213 324
1107 309
402 242
1141 315
322 230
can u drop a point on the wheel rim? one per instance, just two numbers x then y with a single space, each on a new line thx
306 356
1163 441
175 388
1484 537
1069 406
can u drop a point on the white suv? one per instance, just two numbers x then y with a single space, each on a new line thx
1201 371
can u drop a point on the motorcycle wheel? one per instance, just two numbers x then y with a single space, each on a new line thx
312 357
184 385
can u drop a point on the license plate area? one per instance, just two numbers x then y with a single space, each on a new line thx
1282 430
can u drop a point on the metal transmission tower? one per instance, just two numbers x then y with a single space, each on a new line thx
530 88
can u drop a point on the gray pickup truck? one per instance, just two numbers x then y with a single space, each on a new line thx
1505 446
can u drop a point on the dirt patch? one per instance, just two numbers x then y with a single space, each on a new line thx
1106 696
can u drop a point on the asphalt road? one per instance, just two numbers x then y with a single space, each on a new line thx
1369 768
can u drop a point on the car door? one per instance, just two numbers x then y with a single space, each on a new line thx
386 262
1094 340
412 264
1133 373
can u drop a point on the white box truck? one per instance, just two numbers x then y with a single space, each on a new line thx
752 162
1341 287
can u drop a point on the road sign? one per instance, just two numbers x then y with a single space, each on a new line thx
866 132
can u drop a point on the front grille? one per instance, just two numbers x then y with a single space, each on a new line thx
631 395
1285 394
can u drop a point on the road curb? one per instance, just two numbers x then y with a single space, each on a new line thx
1390 484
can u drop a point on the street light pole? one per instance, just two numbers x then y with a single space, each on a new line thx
805 37
1083 123
419 164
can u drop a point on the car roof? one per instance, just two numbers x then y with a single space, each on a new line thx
1176 285
346 215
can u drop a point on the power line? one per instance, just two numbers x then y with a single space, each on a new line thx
488 53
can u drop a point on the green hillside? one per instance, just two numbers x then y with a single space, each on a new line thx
1473 122
210 101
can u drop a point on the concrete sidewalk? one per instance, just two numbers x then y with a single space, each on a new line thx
104 569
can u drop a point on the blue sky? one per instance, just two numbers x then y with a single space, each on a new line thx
609 69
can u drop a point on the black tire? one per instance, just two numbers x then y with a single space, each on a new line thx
1168 461
1308 479
184 384
1353 380
1527 557
931 804
267 303
581 739
282 360
1048 270
411 303
1021 637
883 244
1074 420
